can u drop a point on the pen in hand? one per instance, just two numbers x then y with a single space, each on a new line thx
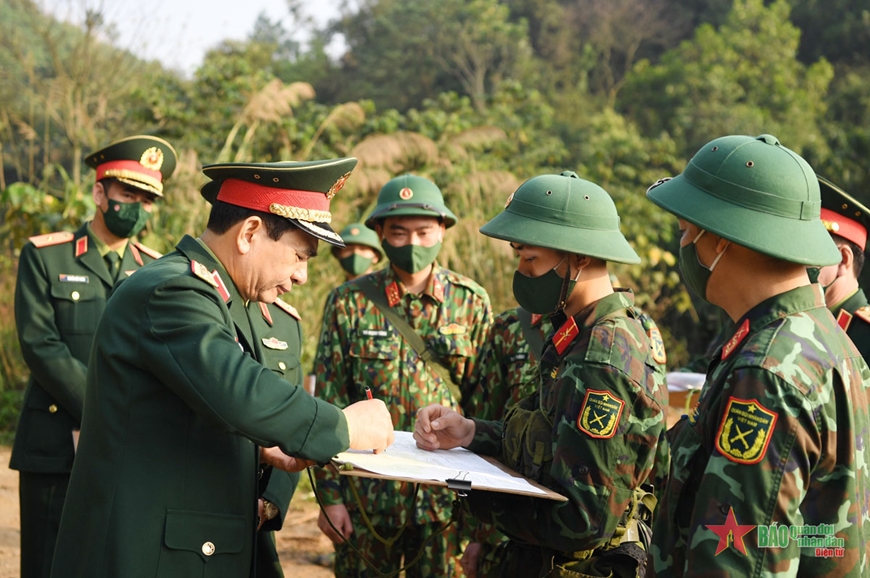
369 396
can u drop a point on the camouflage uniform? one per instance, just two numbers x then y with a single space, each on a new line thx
782 379
590 432
359 347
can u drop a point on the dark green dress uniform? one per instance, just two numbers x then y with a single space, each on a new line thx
279 330
62 288
166 479
853 315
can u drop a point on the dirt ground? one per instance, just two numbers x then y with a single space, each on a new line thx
299 543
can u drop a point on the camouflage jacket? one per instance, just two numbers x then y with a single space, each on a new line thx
590 432
507 369
779 437
358 347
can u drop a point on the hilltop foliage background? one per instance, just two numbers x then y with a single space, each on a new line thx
478 95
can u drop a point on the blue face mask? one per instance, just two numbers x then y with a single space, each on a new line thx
695 274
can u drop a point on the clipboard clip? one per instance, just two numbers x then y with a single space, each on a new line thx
459 484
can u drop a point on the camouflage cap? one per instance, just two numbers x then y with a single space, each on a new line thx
754 192
563 212
359 234
843 214
410 195
142 161
297 191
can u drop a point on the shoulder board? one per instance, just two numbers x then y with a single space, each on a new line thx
287 308
148 251
863 313
50 239
201 271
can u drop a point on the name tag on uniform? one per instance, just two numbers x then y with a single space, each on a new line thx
517 357
374 332
65 278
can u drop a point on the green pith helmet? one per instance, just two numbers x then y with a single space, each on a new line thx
142 161
410 195
298 191
563 212
359 234
754 192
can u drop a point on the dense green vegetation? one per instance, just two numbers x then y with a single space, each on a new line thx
477 94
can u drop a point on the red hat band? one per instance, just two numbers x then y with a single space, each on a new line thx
288 203
130 170
845 227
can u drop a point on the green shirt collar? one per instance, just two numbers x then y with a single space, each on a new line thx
102 247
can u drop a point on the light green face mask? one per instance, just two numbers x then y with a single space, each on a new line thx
125 219
356 264
411 258
542 294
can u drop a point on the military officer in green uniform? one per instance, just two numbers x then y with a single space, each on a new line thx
847 219
769 472
367 339
64 281
361 251
594 425
180 419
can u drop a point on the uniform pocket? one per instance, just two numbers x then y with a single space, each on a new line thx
375 360
192 539
77 307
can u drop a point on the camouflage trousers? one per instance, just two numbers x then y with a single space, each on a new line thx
511 559
440 556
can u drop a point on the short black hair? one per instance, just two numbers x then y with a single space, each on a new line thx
224 215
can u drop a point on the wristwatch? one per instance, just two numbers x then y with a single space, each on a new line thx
270 510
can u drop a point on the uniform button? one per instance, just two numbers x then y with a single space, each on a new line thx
208 548
75 295
282 366
582 470
52 408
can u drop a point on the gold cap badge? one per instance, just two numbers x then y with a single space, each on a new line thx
152 159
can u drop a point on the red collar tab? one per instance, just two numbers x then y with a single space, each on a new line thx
437 290
536 318
287 308
262 197
135 253
222 289
845 227
735 340
566 334
394 295
81 246
264 309
844 318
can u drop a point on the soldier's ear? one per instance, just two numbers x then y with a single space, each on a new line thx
98 192
247 233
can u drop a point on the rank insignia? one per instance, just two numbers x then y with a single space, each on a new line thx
275 343
81 246
657 345
136 256
745 431
65 278
863 313
844 318
148 251
437 290
600 414
201 271
735 340
264 309
536 318
566 334
452 329
406 194
50 239
393 294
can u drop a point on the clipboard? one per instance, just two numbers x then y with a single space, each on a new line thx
457 469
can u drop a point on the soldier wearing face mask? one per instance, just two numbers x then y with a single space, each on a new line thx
847 219
64 281
369 327
593 430
361 251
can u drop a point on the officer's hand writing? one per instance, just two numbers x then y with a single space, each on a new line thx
369 425
438 427
470 559
340 519
278 459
